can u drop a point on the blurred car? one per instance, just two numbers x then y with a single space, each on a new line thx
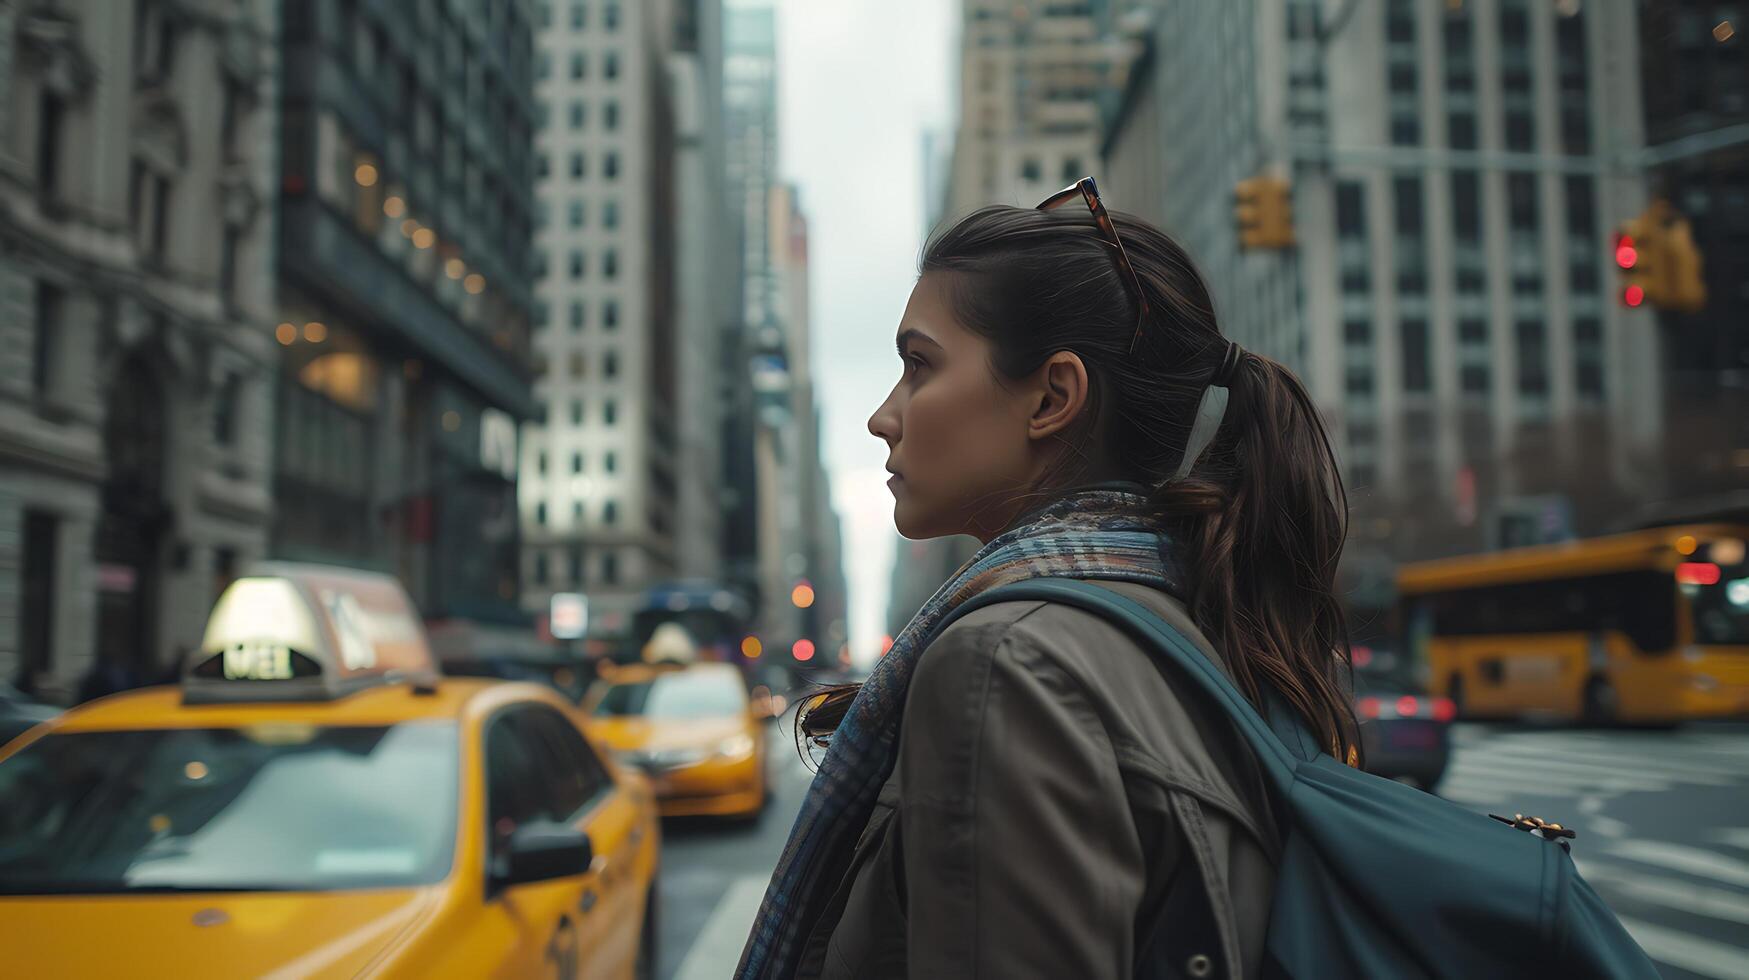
19 714
693 729
314 800
1404 734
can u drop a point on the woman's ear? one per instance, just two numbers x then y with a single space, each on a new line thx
1059 394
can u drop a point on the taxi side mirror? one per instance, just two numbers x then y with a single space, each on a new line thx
543 851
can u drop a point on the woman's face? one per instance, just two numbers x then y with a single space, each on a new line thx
961 445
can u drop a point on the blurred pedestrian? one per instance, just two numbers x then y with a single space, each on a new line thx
1027 794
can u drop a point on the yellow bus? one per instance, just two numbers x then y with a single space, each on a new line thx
1648 627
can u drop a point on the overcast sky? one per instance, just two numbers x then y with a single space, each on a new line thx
859 81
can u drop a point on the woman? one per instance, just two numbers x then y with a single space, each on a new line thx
1029 794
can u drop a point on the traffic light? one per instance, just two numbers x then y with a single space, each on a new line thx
1659 262
1263 208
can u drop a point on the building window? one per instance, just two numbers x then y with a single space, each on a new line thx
1416 376
579 16
610 65
610 462
1471 281
576 462
1357 331
541 313
227 402
576 316
1400 22
543 65
540 568
610 17
576 166
610 314
1472 331
610 569
541 165
540 513
610 364
577 521
1356 280
540 463
46 348
1533 376
48 144
1407 192
610 166
576 264
610 513
610 264
1358 381
579 65
610 115
1581 207
575 214
1350 209
1466 205
1030 169
575 563
576 411
1521 201
577 365
609 416
1474 379
1461 131
576 115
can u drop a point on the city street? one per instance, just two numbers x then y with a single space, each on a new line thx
1659 814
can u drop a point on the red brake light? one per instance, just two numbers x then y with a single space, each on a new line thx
1369 707
1697 573
1408 707
1444 709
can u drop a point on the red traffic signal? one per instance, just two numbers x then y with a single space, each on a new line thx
1633 295
1625 253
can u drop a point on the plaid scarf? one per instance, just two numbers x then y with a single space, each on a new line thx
1085 535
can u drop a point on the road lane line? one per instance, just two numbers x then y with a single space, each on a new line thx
1671 893
717 949
1686 951
1620 766
1680 857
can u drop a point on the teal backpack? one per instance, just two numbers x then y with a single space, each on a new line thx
1378 879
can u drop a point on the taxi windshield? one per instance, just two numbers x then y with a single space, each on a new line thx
679 695
267 808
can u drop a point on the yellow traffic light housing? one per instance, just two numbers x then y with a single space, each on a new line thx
1659 262
1263 210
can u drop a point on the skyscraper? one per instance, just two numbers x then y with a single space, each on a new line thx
1454 173
601 491
405 295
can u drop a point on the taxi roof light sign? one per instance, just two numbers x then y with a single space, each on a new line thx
297 632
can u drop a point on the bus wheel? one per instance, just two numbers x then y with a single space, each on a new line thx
1600 706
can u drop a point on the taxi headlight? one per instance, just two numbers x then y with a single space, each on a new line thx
735 747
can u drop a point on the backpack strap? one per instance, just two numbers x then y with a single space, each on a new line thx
1274 757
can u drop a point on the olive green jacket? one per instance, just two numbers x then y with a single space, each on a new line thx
1057 810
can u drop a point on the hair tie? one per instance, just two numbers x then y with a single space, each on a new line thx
1210 409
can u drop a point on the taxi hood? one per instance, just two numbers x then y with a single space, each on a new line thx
255 934
622 732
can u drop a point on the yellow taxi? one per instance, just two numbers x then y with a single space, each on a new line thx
692 728
313 800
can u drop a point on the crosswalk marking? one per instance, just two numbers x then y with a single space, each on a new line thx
1672 947
1683 896
1688 860
718 947
1698 881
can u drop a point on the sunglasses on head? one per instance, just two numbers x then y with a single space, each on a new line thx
1088 191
